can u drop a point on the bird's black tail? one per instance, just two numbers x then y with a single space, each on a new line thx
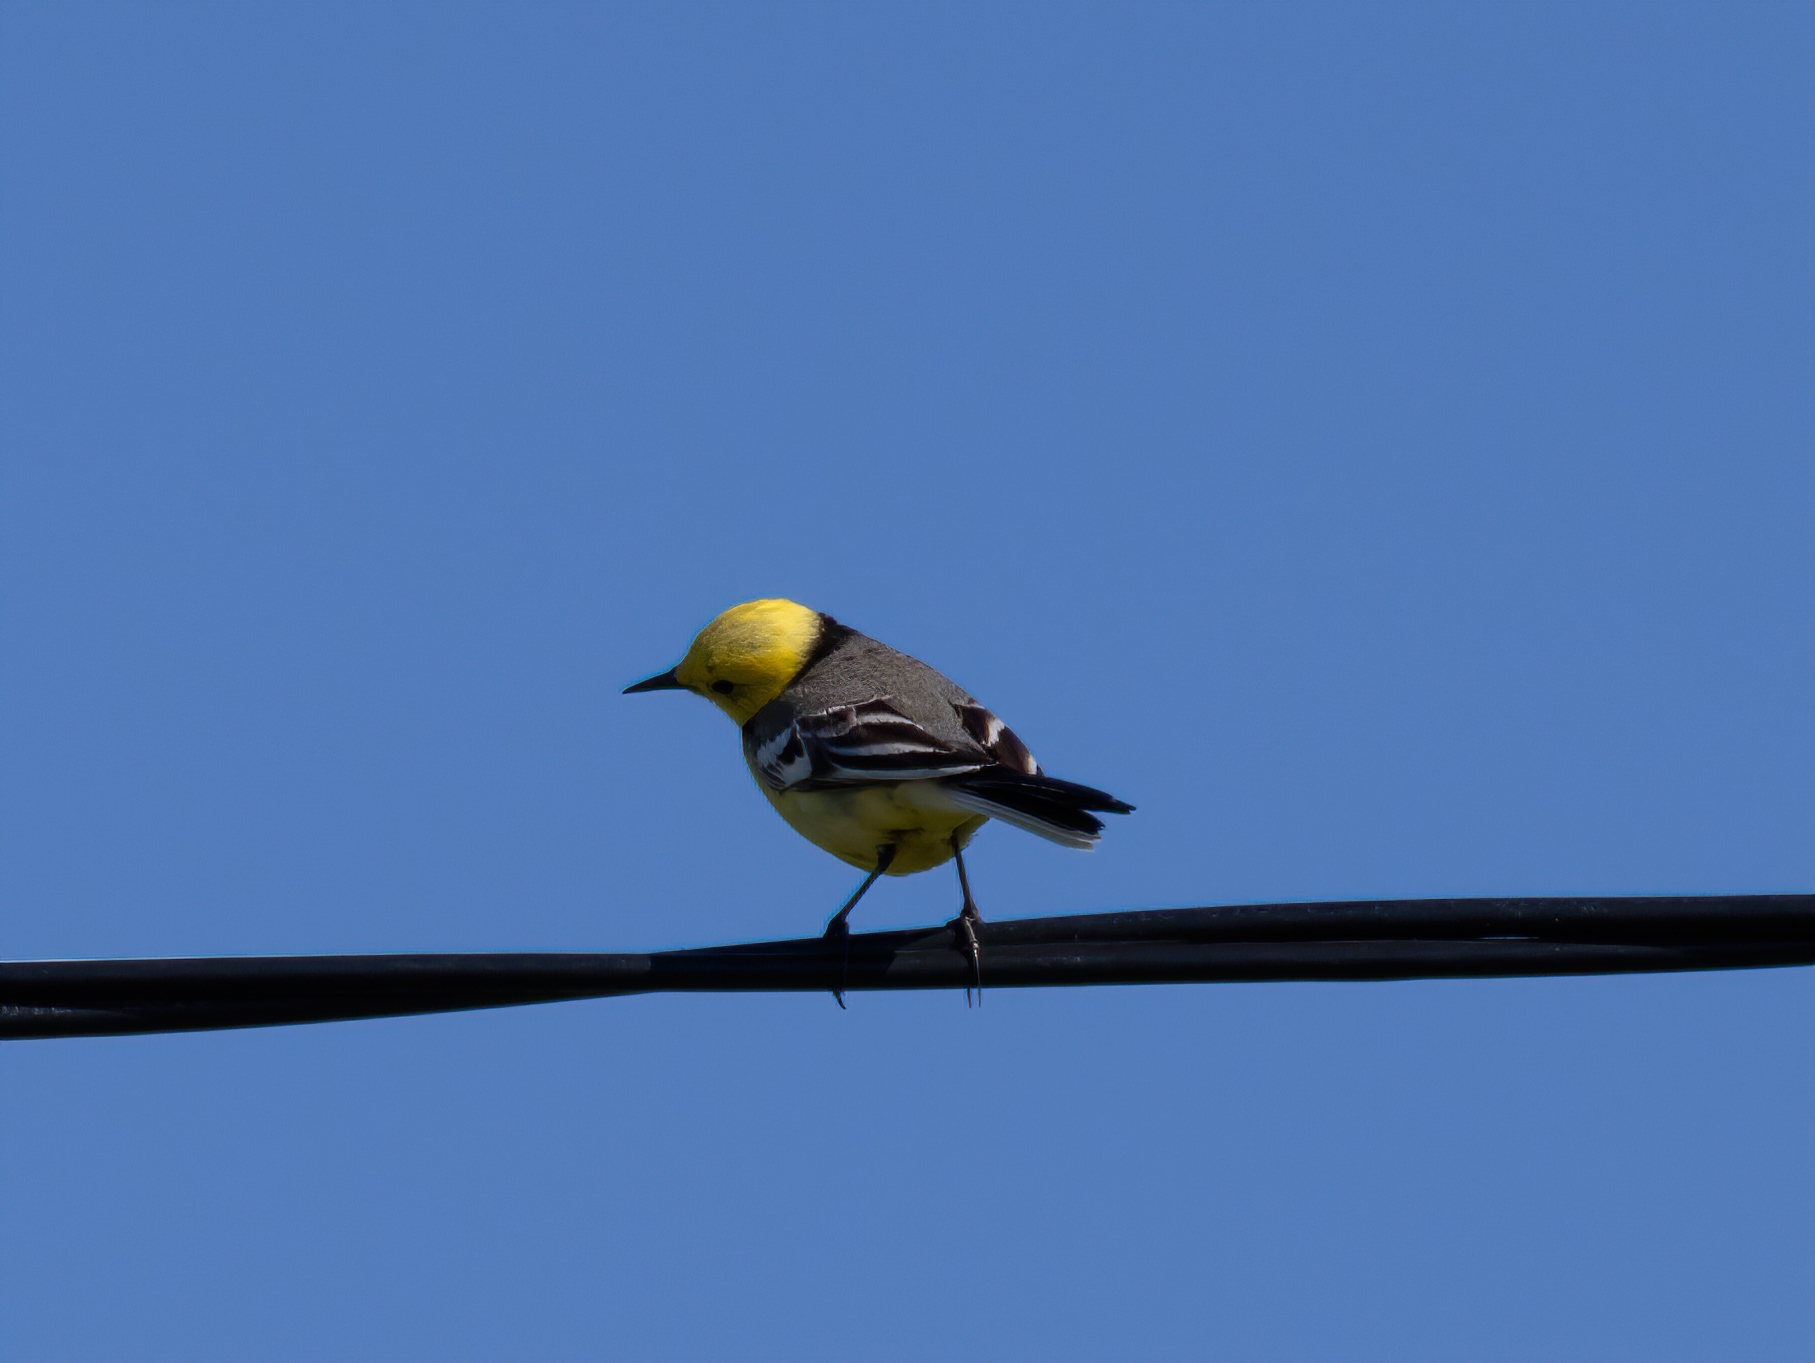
1058 810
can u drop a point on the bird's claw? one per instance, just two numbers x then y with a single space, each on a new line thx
964 928
840 932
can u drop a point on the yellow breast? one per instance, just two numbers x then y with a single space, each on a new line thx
913 817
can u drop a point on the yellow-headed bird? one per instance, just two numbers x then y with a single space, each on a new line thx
871 754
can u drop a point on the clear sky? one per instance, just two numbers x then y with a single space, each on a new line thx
1377 442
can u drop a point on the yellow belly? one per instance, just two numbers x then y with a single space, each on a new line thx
913 817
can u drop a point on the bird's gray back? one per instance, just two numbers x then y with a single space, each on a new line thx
858 668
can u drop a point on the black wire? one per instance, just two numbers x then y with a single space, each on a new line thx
1344 940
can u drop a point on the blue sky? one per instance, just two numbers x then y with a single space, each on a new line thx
1375 441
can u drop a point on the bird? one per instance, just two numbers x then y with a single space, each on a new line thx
872 755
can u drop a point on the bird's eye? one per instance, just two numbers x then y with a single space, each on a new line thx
724 688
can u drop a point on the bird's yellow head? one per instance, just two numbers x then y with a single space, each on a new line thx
742 660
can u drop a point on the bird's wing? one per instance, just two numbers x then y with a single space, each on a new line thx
995 738
860 744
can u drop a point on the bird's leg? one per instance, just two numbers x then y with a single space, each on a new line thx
836 928
839 928
965 926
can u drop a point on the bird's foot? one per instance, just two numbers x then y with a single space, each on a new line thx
964 929
839 931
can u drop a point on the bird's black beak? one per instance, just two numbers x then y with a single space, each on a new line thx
664 681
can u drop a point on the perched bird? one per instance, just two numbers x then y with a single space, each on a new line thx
871 754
